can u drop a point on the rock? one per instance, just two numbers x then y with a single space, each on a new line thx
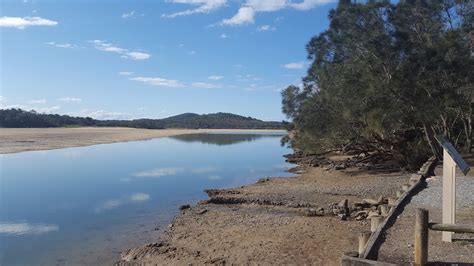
184 207
263 180
372 214
312 213
343 203
320 211
373 202
361 215
343 216
202 211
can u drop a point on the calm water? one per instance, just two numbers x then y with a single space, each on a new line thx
85 205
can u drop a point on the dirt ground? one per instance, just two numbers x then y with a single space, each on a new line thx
265 223
14 140
398 247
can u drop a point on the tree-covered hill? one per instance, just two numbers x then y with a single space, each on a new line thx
17 118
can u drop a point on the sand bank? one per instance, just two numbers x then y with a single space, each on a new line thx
14 140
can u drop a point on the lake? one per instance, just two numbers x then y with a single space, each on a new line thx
85 205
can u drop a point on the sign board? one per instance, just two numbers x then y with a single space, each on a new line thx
451 158
447 146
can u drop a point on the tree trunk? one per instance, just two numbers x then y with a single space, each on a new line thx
467 123
434 145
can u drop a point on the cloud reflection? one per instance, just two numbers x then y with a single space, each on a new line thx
203 170
215 177
26 228
115 203
158 172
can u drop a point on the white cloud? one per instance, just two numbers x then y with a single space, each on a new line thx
47 110
309 4
245 15
203 6
223 36
61 45
295 65
38 101
138 55
158 172
21 23
266 5
204 85
160 82
125 53
266 28
70 99
101 114
125 73
171 83
215 77
26 228
129 14
191 52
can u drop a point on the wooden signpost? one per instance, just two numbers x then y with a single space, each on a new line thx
451 158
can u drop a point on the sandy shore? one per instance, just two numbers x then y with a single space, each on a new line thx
265 223
14 140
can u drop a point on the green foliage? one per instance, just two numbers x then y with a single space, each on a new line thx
386 78
20 119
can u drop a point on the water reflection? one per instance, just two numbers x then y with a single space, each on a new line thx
115 203
82 206
158 172
224 139
26 228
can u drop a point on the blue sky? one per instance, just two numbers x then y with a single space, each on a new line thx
130 59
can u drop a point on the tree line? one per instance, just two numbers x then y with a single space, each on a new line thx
385 79
17 118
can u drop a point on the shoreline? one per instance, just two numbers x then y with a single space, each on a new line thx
272 221
15 140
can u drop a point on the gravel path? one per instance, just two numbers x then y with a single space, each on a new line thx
398 247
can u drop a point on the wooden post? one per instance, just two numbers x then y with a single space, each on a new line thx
374 222
455 228
421 237
363 239
449 194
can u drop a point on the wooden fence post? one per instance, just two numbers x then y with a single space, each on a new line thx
375 221
363 239
421 237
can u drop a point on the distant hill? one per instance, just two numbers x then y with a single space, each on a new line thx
18 118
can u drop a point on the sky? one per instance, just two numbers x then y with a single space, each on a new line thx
115 59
